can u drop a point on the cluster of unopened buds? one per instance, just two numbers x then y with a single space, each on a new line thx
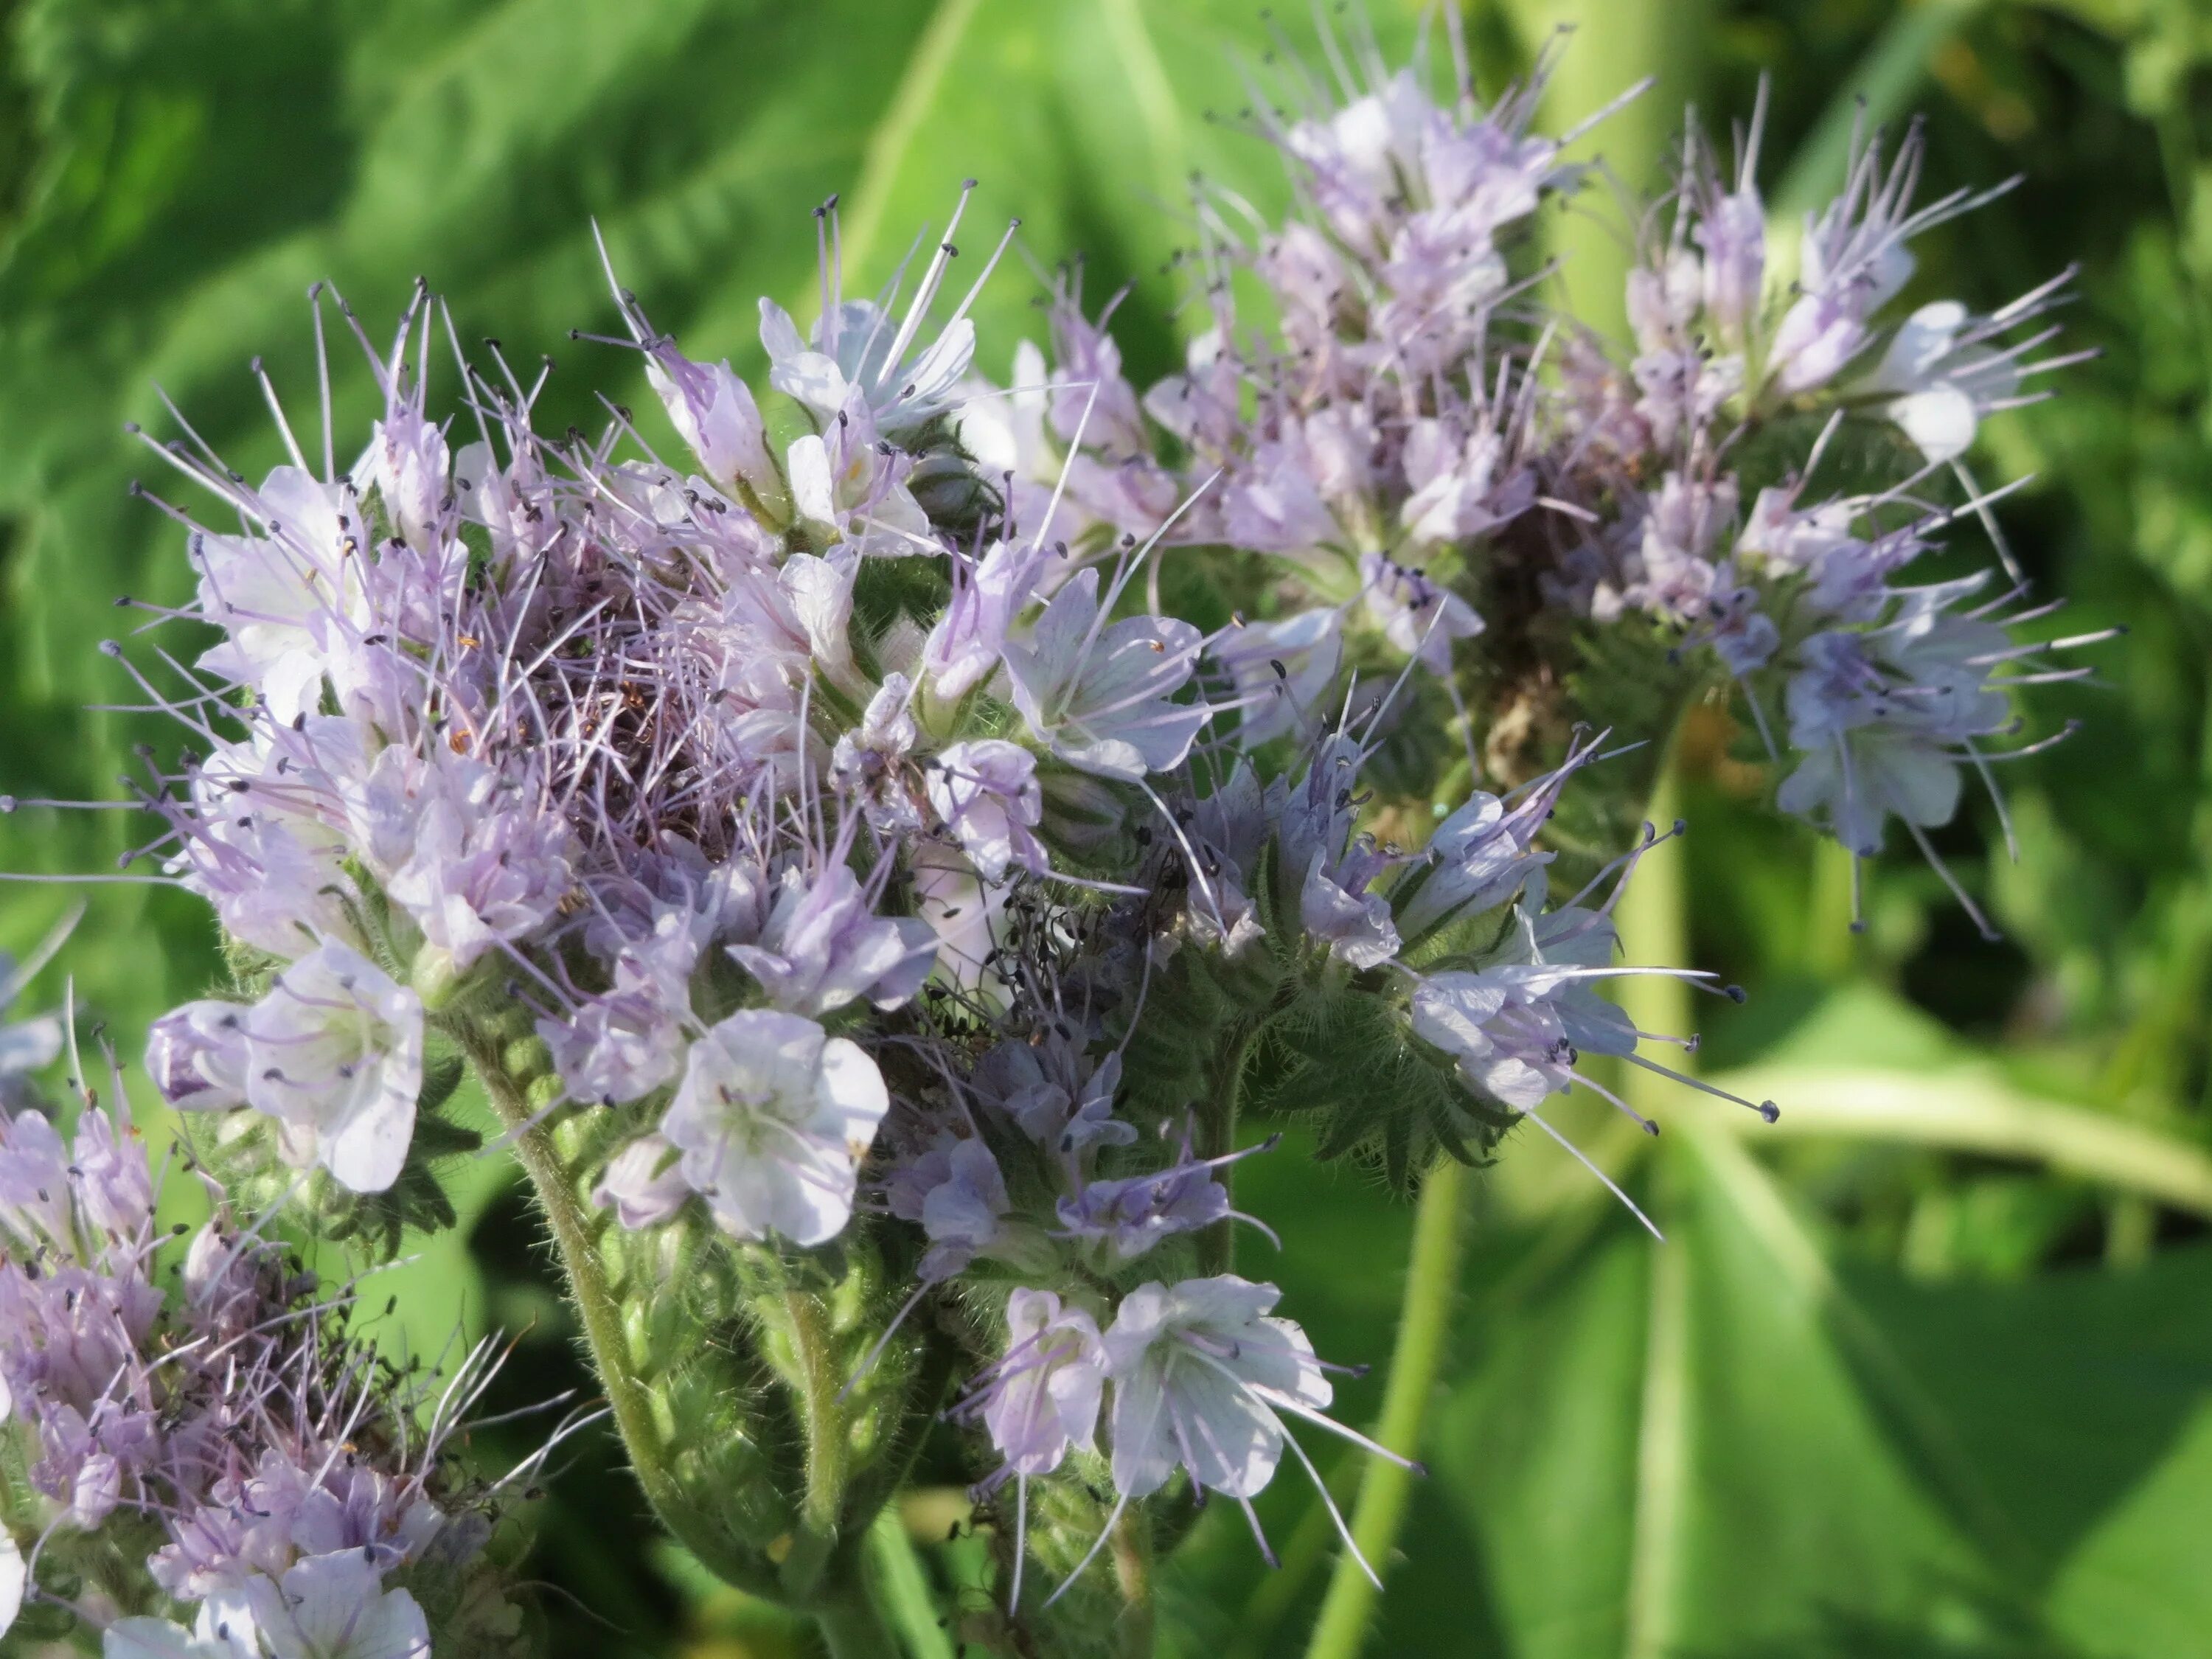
878 923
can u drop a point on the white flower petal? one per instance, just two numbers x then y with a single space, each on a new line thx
1940 420
14 1576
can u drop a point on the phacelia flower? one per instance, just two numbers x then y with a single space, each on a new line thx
1101 694
772 1120
334 1054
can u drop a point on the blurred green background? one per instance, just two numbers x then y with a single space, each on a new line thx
1925 1370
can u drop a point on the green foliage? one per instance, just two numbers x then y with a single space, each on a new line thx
1628 682
469 1606
1348 1063
1280 1030
886 590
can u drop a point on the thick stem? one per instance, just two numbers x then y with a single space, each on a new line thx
824 1427
1654 920
600 1315
1424 1318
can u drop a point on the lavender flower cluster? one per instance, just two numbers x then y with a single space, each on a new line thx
825 839
227 1442
1433 455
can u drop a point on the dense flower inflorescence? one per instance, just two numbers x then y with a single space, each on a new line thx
1430 458
821 834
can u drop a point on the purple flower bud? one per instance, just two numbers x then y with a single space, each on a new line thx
1334 905
1092 398
857 358
96 1490
869 760
408 466
1676 579
845 481
824 947
1732 231
643 1184
620 1046
1041 1399
484 860
280 597
956 1192
1136 1213
987 594
1418 616
34 1187
114 1193
1056 1097
1307 276
268 842
1272 505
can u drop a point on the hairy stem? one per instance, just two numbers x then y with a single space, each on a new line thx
600 1316
824 1427
1424 1317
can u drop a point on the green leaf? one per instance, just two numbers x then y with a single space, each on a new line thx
1747 1441
1345 1061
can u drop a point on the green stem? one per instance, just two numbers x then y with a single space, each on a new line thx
1217 1245
901 1587
825 1446
1664 1454
1133 1577
1431 1281
1653 916
855 1630
600 1315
